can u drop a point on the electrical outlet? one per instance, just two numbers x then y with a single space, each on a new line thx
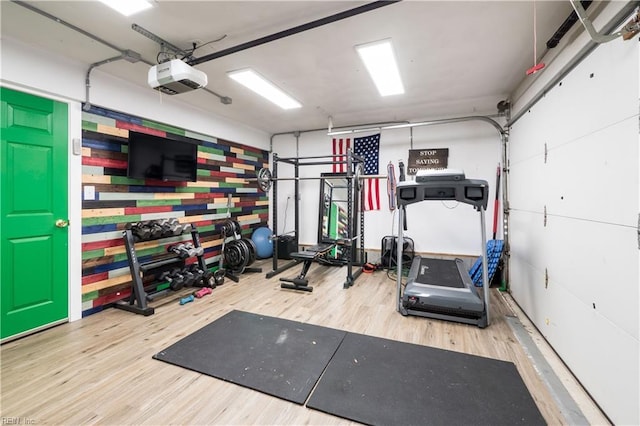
77 146
89 192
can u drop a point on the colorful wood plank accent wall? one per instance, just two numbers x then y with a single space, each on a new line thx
118 200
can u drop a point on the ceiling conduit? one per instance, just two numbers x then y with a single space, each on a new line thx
126 54
66 24
132 56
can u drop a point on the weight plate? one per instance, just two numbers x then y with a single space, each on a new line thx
358 177
236 227
252 250
234 255
264 179
227 227
246 254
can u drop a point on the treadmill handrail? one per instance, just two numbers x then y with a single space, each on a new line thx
469 191
463 190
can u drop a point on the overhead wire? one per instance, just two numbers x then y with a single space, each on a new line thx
189 54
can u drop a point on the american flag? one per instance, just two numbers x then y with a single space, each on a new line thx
369 148
340 147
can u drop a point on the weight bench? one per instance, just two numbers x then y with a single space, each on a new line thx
307 256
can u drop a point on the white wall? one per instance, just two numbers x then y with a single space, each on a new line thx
436 227
26 68
35 69
589 184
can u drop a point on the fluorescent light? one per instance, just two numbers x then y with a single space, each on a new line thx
264 88
380 61
127 7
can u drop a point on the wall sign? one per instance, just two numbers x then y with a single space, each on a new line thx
427 159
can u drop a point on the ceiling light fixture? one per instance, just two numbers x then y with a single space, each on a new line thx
380 61
264 88
127 7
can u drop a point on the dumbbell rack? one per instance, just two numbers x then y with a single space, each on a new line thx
139 298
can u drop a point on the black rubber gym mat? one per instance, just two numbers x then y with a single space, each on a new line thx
278 357
383 382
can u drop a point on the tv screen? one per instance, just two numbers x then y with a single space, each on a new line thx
155 157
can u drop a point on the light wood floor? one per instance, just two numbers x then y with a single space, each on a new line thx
100 370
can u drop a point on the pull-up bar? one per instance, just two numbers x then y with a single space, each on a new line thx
265 179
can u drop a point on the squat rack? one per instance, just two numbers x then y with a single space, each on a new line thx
353 162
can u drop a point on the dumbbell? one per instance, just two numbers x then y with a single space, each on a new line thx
208 279
140 230
156 230
179 249
171 227
164 226
202 292
176 281
178 229
187 299
198 273
189 277
174 278
188 250
191 251
194 251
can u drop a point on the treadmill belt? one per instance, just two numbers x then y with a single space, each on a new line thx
441 272
384 382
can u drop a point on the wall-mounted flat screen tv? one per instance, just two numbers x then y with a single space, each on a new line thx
156 157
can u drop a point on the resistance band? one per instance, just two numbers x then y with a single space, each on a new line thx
391 186
496 203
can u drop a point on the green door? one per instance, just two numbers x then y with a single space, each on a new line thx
33 197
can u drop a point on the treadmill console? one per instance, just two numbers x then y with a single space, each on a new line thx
439 175
469 191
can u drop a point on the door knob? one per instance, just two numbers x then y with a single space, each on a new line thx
61 223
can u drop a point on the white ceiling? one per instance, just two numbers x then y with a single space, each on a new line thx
456 58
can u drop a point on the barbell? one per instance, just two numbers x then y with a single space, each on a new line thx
265 179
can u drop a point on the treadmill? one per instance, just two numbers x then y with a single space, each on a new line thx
442 288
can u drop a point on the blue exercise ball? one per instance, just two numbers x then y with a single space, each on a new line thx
261 238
